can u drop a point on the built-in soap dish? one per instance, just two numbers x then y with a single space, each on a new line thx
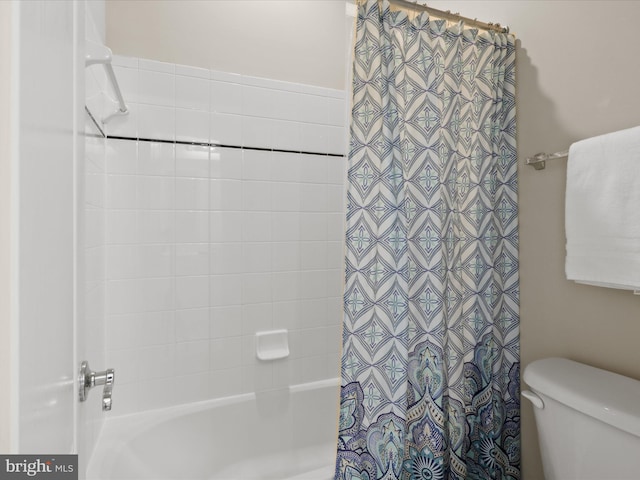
272 344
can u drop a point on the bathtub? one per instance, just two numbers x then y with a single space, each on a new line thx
287 434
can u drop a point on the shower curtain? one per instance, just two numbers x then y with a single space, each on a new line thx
430 366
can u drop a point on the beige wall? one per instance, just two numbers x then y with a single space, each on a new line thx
577 77
279 39
5 219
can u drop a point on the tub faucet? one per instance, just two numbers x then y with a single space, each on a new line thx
88 379
108 387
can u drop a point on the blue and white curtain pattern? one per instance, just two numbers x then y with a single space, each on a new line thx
430 366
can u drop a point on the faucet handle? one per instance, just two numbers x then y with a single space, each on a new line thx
103 378
88 379
108 388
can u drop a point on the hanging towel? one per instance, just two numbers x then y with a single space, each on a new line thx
603 210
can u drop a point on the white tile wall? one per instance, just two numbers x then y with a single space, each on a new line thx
205 246
175 102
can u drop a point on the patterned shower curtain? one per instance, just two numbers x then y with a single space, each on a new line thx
430 366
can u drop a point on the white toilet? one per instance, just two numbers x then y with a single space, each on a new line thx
588 420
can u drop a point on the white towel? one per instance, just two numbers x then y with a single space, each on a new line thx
603 210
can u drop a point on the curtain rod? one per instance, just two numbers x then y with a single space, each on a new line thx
447 15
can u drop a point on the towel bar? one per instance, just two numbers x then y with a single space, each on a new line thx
538 161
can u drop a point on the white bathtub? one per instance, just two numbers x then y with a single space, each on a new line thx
286 434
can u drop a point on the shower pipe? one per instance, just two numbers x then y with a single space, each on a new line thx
448 15
102 54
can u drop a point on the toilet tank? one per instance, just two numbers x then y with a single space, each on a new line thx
588 420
